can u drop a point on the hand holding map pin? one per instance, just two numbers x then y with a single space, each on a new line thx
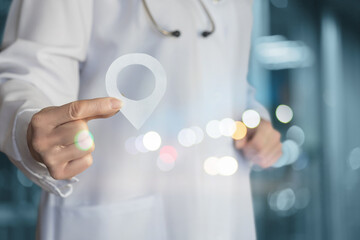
137 112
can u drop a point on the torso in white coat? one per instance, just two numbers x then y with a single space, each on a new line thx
125 195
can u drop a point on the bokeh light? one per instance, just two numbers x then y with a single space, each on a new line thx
301 163
284 113
290 153
282 200
213 129
224 166
167 158
187 137
285 199
240 132
84 140
169 150
211 166
354 158
130 145
165 162
227 127
227 166
199 133
296 134
139 144
276 52
251 118
152 141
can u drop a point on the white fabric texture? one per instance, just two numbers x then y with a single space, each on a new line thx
55 52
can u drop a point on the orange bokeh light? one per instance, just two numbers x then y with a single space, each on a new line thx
241 131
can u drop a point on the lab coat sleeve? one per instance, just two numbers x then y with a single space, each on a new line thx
252 103
43 45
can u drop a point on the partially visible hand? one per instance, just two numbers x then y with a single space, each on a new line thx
261 145
51 135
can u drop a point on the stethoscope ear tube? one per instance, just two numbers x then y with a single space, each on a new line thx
212 30
177 33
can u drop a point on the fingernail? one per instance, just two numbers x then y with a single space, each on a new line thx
116 103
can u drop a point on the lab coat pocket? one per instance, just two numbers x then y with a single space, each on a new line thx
135 219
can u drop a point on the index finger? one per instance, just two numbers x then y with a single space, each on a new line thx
83 109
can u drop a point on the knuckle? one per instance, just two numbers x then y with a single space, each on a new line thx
37 120
75 110
56 149
56 174
38 144
49 161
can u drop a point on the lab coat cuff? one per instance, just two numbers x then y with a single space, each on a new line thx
34 170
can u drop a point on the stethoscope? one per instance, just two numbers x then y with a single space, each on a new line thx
177 33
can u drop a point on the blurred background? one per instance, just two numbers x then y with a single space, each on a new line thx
305 65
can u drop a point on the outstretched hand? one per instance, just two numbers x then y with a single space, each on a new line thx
59 138
261 145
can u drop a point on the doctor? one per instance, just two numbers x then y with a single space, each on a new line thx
53 63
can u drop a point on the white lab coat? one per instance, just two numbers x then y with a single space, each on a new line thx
55 52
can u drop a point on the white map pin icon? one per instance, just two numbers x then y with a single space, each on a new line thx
137 112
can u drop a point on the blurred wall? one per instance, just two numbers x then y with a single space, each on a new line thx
19 197
316 197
